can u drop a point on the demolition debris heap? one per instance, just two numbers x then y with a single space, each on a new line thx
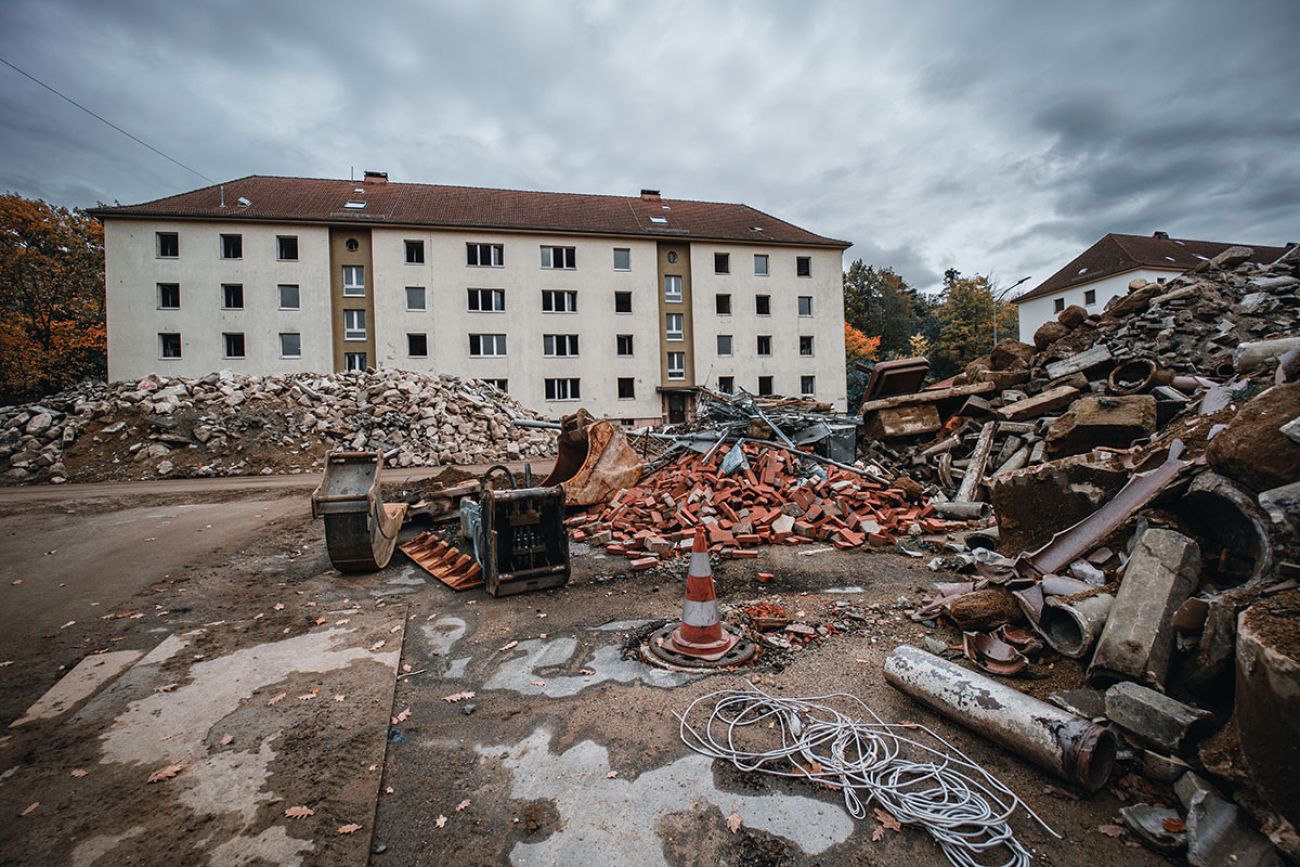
229 424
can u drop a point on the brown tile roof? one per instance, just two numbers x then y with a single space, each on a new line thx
1115 254
324 200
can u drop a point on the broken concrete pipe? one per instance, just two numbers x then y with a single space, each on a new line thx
1138 639
1155 719
1072 624
963 511
1070 746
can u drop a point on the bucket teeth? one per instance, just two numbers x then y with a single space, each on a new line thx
444 562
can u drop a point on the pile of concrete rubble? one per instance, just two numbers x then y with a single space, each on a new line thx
228 424
1142 471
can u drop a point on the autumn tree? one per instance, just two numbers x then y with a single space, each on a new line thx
878 302
858 347
52 295
965 314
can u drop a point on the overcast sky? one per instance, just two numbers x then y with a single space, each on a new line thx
993 137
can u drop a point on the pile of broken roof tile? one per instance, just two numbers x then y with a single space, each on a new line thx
768 498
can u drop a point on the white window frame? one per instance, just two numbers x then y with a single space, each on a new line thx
675 327
180 346
283 335
348 361
673 288
492 342
560 345
225 344
631 345
418 248
424 299
567 297
279 295
493 296
626 250
353 289
804 379
354 325
800 303
411 334
562 388
762 259
677 371
731 345
226 306
159 290
812 346
496 255
568 258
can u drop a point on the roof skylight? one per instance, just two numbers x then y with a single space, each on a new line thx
659 219
356 206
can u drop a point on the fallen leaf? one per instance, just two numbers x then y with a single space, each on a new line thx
69 623
165 773
733 822
1060 793
299 812
508 645
78 772
463 805
586 672
1111 830
308 696
402 717
887 820
388 790
16 581
397 628
338 697
276 699
538 682
373 768
166 687
6 663
1174 826
343 622
542 635
378 644
878 834
611 775
226 739
347 829
541 615
406 667
279 606
459 696
320 620
440 821
259 615
30 807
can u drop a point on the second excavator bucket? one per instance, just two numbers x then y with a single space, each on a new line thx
593 461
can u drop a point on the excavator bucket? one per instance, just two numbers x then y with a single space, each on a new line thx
593 460
360 530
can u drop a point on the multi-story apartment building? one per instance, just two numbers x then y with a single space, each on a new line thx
622 304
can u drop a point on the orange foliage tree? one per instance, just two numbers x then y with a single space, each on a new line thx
52 294
858 346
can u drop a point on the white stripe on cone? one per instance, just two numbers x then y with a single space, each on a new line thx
700 614
700 564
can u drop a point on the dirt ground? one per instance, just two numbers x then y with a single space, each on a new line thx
567 752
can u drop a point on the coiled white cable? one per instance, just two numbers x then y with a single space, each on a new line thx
932 785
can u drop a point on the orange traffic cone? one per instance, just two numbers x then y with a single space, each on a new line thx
700 634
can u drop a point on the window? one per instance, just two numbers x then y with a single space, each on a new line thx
677 365
232 246
503 384
169 244
805 345
626 388
354 360
722 304
487 300
169 345
763 305
721 263
624 344
169 296
415 252
765 385
487 345
727 384
1089 296
415 298
764 344
286 248
724 344
807 385
232 345
290 344
622 259
289 296
484 255
760 264
1058 305
803 266
563 389
672 287
417 345
673 325
232 296
354 325
559 345
354 280
805 305
622 302
559 301
560 257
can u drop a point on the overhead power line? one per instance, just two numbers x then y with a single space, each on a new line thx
106 121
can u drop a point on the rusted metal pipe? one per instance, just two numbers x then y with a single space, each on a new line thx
1070 746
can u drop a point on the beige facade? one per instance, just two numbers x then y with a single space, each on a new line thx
582 339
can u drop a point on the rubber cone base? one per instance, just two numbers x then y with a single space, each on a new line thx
661 649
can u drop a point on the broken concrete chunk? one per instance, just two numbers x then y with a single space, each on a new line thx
1032 504
1080 362
1041 404
1253 449
1156 719
1216 836
983 609
1149 824
1138 640
1102 421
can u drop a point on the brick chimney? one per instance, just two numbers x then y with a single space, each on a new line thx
650 196
1163 236
375 177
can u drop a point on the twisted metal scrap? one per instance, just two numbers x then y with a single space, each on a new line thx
928 783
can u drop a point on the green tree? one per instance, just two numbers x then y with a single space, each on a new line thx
964 315
878 302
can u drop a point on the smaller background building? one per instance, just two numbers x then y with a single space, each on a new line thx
1106 268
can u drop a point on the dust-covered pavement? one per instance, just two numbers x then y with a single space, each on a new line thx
567 752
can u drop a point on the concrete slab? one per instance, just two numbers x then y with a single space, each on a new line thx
85 678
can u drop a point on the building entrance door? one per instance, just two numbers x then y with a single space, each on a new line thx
676 408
